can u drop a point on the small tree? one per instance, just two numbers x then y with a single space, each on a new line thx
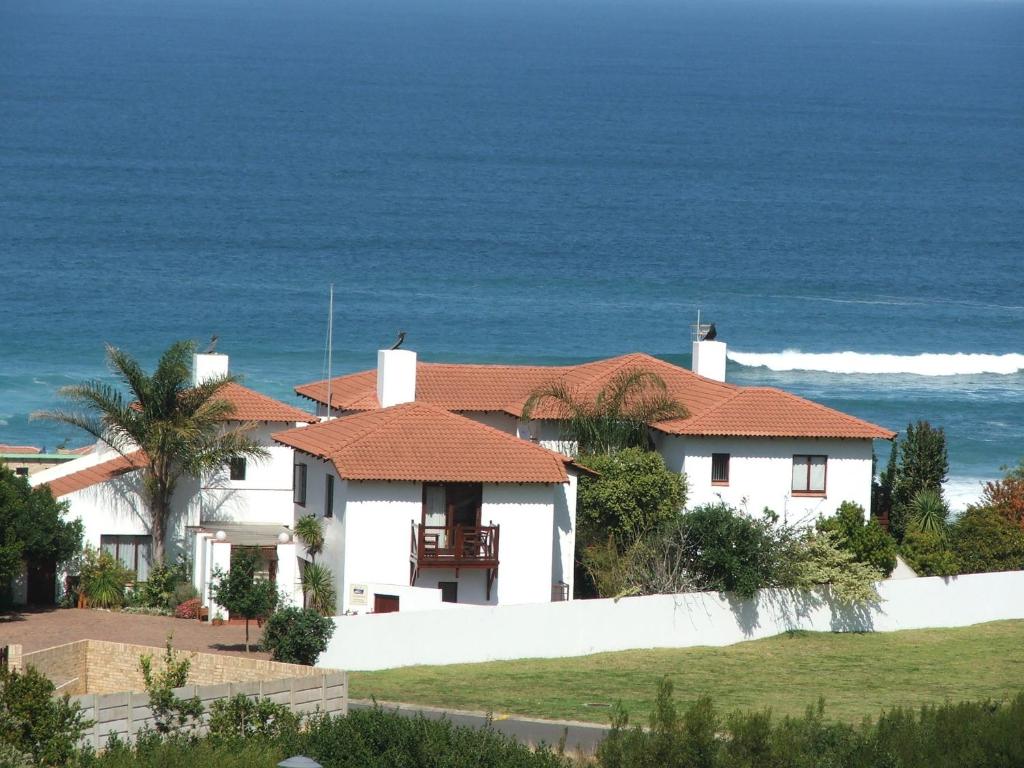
928 512
318 589
864 539
297 636
241 592
32 526
310 531
170 714
1006 495
633 493
923 465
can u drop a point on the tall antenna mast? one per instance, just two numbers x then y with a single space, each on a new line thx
330 346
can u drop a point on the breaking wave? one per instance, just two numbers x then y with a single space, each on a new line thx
959 364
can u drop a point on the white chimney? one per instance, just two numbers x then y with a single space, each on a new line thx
208 365
709 359
396 377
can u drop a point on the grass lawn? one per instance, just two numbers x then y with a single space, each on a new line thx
857 674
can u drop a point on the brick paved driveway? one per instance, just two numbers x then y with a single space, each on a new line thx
42 629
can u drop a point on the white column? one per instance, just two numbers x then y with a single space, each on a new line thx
220 558
289 583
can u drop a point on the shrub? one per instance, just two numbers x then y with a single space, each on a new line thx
188 609
815 559
923 463
170 714
160 590
634 494
983 540
296 635
1006 495
103 579
929 554
34 723
865 540
243 718
318 589
929 512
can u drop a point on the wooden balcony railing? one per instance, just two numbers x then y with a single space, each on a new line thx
459 546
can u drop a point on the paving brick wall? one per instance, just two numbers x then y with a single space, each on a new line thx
66 665
125 714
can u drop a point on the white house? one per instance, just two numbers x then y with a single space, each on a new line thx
752 447
248 502
423 506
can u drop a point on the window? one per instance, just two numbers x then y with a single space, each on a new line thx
446 505
237 468
21 471
299 484
449 591
809 475
329 496
719 468
133 552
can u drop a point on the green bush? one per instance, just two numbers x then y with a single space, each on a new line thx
243 718
865 540
983 540
633 494
978 734
103 579
170 714
161 588
34 723
929 554
296 635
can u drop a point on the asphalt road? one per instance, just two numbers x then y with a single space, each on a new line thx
578 736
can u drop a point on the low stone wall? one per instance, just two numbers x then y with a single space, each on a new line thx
125 714
98 666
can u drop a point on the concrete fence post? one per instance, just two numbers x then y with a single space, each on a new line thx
323 692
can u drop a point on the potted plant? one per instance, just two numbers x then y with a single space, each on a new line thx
218 618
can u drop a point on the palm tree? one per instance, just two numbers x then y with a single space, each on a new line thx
617 417
929 512
178 427
310 531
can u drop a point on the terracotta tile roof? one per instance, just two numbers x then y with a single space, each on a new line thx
97 473
741 411
418 442
506 388
251 405
768 412
22 449
80 451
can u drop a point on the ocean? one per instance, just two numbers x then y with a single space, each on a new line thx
838 185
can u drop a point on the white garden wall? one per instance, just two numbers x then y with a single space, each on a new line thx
581 627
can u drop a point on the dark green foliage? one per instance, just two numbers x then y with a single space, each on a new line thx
241 592
102 578
633 494
31 526
984 540
929 554
170 714
243 718
296 635
161 588
922 464
977 734
371 738
865 540
34 722
729 552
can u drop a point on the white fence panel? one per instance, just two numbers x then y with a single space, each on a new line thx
581 627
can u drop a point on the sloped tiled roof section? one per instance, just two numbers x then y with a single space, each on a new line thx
506 388
768 412
425 443
251 405
714 407
97 473
19 449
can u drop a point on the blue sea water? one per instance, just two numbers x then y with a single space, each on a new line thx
528 181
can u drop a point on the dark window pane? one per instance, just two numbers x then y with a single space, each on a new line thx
720 468
237 467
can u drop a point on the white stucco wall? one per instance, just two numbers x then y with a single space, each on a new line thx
760 473
526 516
584 627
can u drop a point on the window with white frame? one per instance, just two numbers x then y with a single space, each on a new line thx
809 474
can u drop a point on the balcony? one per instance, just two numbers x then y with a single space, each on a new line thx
457 547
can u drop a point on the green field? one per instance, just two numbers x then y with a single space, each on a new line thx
857 674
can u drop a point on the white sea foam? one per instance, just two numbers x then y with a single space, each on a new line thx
928 364
962 491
